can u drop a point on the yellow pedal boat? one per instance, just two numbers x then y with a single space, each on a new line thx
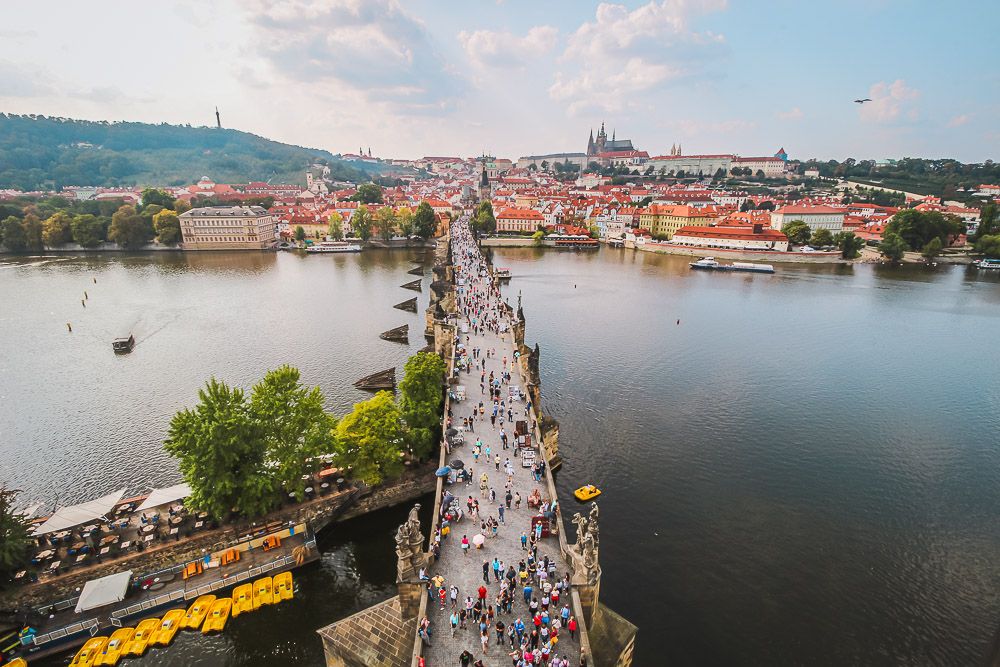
283 587
197 611
112 651
140 640
169 625
242 599
18 662
86 656
218 616
262 592
588 492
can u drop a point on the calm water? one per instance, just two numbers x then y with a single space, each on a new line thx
805 470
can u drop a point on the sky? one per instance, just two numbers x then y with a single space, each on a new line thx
417 78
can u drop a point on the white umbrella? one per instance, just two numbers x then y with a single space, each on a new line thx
478 539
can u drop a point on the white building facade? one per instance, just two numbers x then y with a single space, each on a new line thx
227 228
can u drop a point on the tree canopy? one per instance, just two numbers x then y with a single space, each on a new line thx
424 222
420 396
129 230
385 222
483 220
797 231
917 228
893 246
361 223
370 439
368 193
821 237
850 245
15 538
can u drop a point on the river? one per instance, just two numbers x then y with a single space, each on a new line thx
803 470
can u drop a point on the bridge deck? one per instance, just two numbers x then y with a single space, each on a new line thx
466 570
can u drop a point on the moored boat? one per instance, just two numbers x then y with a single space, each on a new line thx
196 612
86 656
140 639
283 587
334 246
112 651
169 625
242 599
217 616
262 592
709 263
993 264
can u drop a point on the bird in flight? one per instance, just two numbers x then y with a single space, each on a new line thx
867 99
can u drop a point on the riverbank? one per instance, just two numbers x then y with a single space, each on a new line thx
748 255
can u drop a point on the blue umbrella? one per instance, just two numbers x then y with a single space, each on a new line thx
443 471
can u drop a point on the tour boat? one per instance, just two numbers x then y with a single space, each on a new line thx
988 263
262 592
334 246
710 264
218 616
502 273
112 651
242 599
283 587
140 640
588 492
86 656
169 626
123 345
197 611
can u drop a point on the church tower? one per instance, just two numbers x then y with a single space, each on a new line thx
484 185
591 150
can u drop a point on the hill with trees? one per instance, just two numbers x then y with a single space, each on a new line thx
37 152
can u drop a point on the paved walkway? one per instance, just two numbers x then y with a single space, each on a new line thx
465 570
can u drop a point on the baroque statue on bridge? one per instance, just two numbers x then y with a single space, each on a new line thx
409 545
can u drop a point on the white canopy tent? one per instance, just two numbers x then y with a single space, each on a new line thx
75 515
106 590
159 497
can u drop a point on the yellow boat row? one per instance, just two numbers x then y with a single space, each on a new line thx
207 612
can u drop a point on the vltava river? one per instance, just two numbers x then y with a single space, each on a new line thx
804 470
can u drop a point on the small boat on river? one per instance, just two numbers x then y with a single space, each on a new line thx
588 492
334 246
709 263
993 264
123 345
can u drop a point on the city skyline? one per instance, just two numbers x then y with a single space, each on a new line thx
512 79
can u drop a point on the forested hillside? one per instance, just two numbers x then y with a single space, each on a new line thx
41 153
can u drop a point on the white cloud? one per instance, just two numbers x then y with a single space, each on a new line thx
370 47
487 48
623 52
794 113
889 102
959 121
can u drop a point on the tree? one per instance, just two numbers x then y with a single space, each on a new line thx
989 246
797 231
850 245
893 246
424 222
293 425
361 223
221 454
368 193
821 237
88 230
644 202
183 206
766 206
15 539
545 165
12 233
932 249
404 221
300 233
158 197
989 221
167 226
370 439
336 230
420 399
537 237
128 229
747 205
57 230
595 232
385 222
483 220
917 228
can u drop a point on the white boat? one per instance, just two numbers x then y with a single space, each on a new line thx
987 263
709 263
334 246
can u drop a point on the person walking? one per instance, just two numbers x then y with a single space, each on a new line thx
500 512
486 571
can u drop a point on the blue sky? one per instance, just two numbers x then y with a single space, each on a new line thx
513 77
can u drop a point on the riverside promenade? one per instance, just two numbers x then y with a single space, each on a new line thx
486 332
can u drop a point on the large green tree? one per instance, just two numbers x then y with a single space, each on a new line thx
850 245
371 437
797 231
917 228
420 397
33 233
424 222
12 233
293 425
57 229
893 246
385 222
821 237
167 226
989 221
932 249
336 229
361 223
88 230
161 198
129 230
989 246
368 193
14 536
483 220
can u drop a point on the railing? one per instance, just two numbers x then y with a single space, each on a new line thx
146 605
91 626
242 576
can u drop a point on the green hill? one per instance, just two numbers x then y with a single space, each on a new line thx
40 153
